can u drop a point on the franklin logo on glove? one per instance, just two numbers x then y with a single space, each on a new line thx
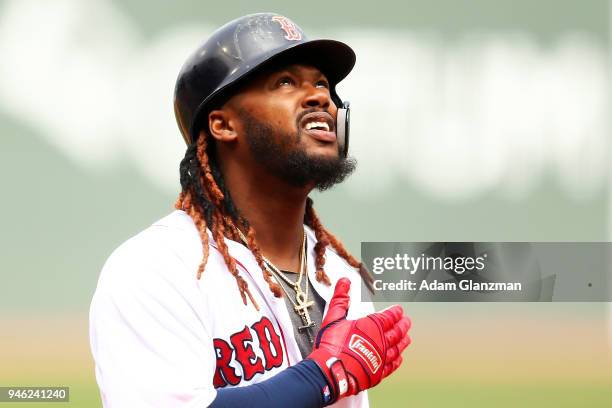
366 351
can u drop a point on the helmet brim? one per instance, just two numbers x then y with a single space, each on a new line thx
334 58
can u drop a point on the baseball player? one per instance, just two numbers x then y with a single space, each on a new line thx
241 297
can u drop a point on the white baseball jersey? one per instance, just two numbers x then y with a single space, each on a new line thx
162 338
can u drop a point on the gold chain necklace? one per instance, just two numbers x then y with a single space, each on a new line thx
301 303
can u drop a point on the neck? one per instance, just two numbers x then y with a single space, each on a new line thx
274 209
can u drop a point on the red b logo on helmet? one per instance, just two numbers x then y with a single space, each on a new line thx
293 34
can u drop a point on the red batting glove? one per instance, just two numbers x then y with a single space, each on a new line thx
357 354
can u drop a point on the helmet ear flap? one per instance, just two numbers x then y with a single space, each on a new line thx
343 119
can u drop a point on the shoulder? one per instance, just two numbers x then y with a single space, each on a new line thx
150 274
163 257
156 266
165 245
172 244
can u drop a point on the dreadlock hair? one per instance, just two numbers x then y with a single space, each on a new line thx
206 199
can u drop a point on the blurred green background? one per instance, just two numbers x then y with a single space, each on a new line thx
473 121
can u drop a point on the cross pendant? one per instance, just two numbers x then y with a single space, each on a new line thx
302 309
307 325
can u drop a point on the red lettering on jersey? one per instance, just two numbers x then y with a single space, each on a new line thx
251 364
267 337
241 349
224 374
289 27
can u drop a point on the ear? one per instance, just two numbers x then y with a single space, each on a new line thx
221 126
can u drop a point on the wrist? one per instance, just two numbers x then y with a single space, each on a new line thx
334 373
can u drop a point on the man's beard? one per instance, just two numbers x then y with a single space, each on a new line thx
282 155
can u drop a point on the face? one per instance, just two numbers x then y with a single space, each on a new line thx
288 120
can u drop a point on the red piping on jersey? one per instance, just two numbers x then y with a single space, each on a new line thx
265 300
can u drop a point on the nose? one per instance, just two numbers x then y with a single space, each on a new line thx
316 97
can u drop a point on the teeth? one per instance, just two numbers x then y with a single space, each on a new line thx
322 125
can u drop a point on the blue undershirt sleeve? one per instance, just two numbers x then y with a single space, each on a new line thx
300 386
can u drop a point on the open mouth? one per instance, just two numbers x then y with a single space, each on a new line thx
319 125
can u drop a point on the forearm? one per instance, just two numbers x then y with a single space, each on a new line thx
299 386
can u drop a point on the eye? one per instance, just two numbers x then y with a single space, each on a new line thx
323 84
285 81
